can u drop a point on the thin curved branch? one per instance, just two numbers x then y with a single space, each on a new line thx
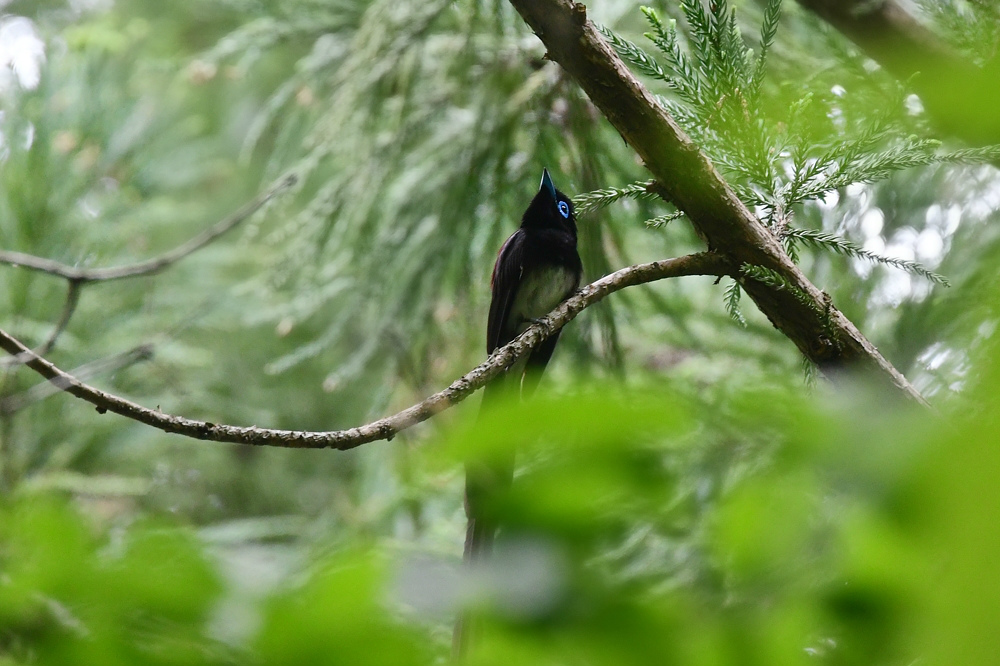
38 392
706 263
150 266
69 307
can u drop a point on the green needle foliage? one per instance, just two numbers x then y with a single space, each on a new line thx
733 293
777 152
662 220
970 26
597 199
419 131
840 245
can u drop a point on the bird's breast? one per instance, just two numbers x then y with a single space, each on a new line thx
541 290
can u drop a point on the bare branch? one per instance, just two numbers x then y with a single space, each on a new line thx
19 401
705 263
154 265
69 307
687 178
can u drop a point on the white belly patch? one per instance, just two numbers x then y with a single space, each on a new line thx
541 292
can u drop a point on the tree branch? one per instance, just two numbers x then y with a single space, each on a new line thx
150 266
18 401
803 313
69 307
960 97
706 263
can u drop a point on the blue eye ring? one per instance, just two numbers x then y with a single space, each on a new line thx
563 209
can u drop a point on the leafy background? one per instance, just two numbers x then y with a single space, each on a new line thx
686 493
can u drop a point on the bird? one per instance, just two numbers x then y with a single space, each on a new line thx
537 268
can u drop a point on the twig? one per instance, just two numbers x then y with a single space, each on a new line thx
78 277
19 401
69 307
705 263
150 266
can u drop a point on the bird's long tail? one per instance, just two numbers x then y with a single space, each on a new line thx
485 479
480 531
479 537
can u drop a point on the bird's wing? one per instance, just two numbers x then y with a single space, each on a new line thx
505 283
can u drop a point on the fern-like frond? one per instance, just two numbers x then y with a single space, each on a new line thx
596 199
686 82
766 276
791 249
633 54
661 221
866 168
810 371
842 246
768 31
701 27
777 281
984 155
732 296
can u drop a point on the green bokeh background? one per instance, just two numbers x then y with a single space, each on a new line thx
684 493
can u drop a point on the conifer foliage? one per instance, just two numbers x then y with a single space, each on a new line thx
776 150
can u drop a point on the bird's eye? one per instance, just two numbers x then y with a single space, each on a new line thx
563 209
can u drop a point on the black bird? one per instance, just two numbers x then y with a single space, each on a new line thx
538 267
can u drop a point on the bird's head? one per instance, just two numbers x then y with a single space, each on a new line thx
550 209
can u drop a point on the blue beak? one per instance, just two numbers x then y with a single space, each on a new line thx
547 184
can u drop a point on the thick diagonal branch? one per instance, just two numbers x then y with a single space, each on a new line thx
696 264
803 313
